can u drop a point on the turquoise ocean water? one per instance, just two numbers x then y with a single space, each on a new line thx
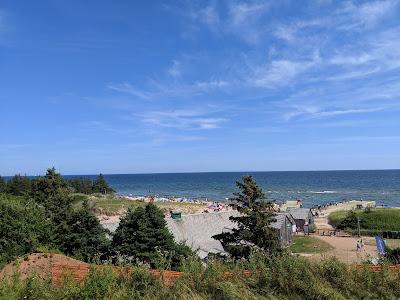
313 187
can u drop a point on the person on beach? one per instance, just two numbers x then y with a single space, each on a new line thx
358 246
361 245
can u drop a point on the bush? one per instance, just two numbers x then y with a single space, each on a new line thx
23 228
283 277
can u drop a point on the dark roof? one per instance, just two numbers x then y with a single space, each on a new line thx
299 213
280 220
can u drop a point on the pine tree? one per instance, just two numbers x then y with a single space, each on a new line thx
84 237
3 185
19 185
100 185
46 188
142 233
253 229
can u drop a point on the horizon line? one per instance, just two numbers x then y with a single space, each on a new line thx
207 172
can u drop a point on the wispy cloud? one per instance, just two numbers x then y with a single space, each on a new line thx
369 13
158 89
183 119
244 17
175 71
129 89
241 19
278 72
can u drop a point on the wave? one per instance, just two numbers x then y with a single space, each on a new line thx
323 192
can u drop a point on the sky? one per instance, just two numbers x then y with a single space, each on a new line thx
194 86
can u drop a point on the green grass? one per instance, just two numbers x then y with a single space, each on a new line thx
112 204
377 219
285 277
309 244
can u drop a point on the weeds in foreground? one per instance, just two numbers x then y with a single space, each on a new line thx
283 277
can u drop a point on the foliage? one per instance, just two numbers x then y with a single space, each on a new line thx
87 186
142 235
81 185
351 221
381 219
3 185
76 232
46 188
392 255
253 225
23 228
18 185
283 277
84 237
312 228
100 185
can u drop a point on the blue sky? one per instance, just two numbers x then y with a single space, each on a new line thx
178 86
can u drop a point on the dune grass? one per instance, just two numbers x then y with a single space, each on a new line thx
284 277
114 205
375 219
309 244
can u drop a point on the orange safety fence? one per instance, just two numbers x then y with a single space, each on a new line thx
78 272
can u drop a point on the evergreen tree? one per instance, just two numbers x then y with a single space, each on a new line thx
23 228
3 185
45 189
100 185
19 185
76 232
81 185
253 225
142 233
351 221
84 237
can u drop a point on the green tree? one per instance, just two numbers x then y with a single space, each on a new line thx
81 185
84 237
351 221
23 228
19 185
253 229
46 188
100 185
3 185
76 231
142 235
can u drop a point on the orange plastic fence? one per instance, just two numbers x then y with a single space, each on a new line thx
78 272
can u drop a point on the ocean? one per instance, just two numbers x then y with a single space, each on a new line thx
312 187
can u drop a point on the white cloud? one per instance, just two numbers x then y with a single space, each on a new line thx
183 119
127 88
244 20
278 73
208 16
370 13
175 70
241 18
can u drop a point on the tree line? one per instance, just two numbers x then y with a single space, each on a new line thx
47 219
20 185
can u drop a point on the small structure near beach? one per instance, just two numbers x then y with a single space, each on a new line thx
301 216
197 230
284 225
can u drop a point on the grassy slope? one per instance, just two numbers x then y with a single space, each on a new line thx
113 205
376 219
309 244
286 277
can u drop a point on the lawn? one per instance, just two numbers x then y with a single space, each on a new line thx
376 219
309 244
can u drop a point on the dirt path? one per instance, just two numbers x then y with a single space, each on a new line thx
345 248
